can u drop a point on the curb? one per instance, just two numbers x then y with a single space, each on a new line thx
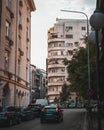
85 124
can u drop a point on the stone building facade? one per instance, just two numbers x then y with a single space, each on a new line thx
15 43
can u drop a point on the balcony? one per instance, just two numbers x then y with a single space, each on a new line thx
56 57
56 48
53 93
57 74
56 66
55 84
56 40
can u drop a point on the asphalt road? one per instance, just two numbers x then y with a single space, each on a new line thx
73 120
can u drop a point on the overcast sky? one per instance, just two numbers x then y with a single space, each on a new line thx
45 16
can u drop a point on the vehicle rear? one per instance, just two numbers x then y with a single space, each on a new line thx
8 116
50 113
36 109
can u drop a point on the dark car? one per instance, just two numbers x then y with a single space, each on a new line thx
72 105
25 113
51 113
36 109
8 116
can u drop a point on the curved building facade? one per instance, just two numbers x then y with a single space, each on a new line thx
63 38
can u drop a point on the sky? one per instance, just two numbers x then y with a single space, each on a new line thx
45 16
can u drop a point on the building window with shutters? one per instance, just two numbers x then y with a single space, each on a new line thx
83 28
6 60
7 28
69 36
9 4
19 67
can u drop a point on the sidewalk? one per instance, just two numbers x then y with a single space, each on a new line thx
92 121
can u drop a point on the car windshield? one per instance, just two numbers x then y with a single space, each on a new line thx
50 109
42 101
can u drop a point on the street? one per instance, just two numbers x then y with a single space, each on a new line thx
73 120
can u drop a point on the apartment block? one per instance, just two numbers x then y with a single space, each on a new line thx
15 44
38 80
65 36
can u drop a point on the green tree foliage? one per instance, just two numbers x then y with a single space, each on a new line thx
64 94
77 69
56 100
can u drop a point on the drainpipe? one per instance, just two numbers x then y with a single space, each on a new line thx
16 42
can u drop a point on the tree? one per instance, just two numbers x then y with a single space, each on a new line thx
64 94
56 100
77 69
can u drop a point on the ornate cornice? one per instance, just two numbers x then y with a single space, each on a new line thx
31 5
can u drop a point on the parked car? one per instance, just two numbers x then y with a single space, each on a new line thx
36 109
72 105
25 113
51 113
42 102
8 116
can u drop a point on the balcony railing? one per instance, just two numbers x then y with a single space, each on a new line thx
55 84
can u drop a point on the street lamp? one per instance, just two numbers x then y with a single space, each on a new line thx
88 54
96 21
80 12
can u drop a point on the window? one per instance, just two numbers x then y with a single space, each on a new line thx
27 34
26 73
9 3
6 61
69 28
83 28
69 36
76 44
19 64
69 44
20 18
62 53
7 28
70 52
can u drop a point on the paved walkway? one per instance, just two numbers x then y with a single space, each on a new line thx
93 121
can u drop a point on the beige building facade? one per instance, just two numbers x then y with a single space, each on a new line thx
63 38
15 44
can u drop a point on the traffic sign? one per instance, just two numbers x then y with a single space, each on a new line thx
90 91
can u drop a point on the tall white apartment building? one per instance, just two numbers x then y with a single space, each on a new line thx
66 35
